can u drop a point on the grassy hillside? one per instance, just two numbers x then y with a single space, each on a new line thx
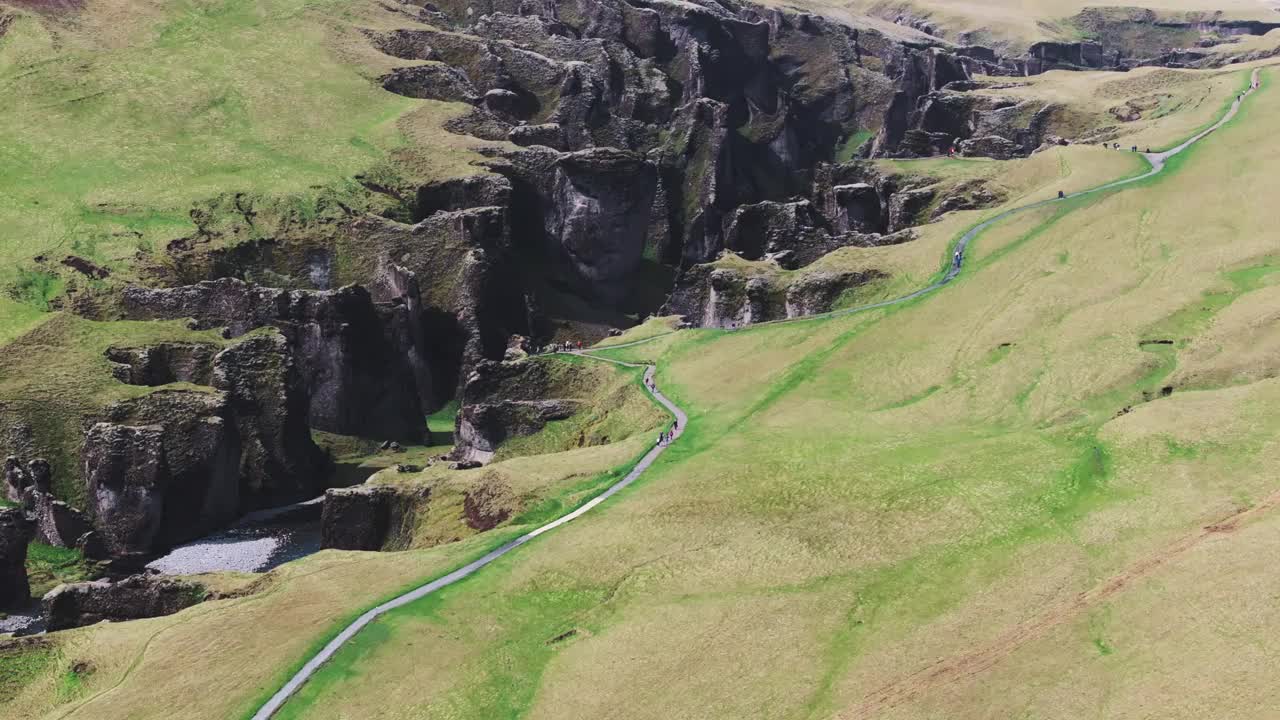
122 116
984 503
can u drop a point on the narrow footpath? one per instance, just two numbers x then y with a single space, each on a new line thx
886 697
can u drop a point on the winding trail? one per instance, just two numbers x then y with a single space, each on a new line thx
942 672
329 650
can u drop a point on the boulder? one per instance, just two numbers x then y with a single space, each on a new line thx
138 596
15 533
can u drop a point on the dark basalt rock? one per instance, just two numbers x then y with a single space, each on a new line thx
15 533
708 296
501 400
369 517
598 210
135 597
992 146
434 81
163 364
173 465
153 485
356 357
906 207
267 401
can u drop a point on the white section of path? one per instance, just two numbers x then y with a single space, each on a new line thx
1157 161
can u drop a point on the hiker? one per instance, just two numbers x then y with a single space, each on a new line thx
579 344
1061 195
659 443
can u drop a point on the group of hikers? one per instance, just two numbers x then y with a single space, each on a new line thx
1116 146
665 437
565 346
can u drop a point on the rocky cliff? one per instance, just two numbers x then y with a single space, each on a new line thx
15 533
139 596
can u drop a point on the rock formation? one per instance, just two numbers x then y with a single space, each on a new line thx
139 596
369 517
15 534
363 363
502 401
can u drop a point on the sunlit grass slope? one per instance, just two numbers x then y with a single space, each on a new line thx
985 503
119 117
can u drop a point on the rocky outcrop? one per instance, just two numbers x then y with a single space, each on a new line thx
139 596
597 212
149 484
15 533
724 297
163 363
503 400
266 399
917 73
370 517
364 363
482 427
172 465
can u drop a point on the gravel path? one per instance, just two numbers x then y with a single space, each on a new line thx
282 696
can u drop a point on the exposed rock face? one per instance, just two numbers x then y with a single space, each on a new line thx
15 534
482 427
267 401
472 297
170 466
369 517
489 503
711 296
139 596
56 523
363 363
502 400
151 484
163 364
598 212
917 74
